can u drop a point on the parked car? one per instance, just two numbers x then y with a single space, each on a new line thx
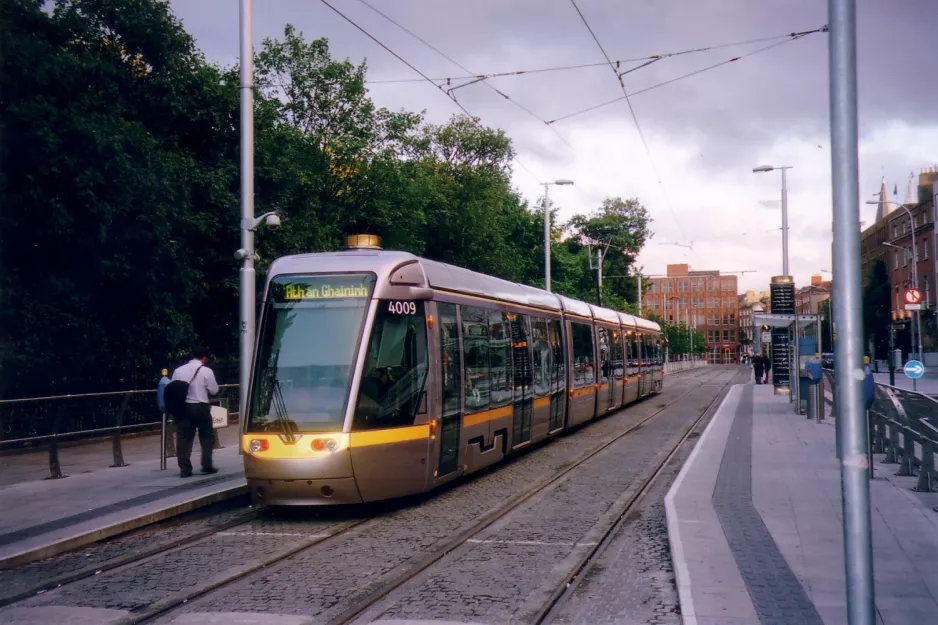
827 360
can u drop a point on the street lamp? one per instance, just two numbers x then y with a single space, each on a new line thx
914 259
547 228
767 168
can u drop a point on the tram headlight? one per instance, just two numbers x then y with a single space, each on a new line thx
324 444
258 444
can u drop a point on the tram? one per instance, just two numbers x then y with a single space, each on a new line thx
378 374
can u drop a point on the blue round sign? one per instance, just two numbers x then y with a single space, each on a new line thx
914 369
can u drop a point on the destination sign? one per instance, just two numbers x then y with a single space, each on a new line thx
294 289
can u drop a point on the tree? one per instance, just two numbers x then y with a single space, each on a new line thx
620 229
877 305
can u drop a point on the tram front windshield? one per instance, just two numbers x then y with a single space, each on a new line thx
311 331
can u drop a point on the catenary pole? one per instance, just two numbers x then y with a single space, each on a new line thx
855 469
246 275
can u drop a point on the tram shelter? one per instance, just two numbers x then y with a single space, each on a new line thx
798 338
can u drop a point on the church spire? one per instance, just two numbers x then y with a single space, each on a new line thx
882 209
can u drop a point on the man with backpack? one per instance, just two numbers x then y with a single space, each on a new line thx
187 399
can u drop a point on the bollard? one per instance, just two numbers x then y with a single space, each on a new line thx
163 443
812 408
55 468
116 438
926 472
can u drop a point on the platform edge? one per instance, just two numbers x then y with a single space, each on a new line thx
681 573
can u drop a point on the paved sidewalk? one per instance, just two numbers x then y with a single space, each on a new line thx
44 517
755 524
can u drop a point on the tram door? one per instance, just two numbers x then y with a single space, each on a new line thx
521 379
450 376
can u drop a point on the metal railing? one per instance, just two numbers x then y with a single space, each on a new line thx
29 424
903 426
673 366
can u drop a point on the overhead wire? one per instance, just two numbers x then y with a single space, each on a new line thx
792 37
476 78
562 68
638 127
424 76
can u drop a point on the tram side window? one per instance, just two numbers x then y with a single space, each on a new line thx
558 371
395 367
637 344
475 341
616 343
604 355
500 357
449 357
583 365
542 356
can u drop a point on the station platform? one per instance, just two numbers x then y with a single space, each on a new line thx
44 517
754 522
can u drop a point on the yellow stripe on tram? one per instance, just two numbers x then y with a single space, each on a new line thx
393 435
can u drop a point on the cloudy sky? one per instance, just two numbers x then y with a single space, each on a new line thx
704 134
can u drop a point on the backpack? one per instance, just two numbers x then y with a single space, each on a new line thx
174 396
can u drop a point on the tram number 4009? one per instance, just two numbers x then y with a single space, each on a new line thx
402 308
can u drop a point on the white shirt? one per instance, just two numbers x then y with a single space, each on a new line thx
201 386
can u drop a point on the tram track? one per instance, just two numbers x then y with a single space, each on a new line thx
360 600
362 604
613 526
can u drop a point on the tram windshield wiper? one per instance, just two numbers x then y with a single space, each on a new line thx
280 408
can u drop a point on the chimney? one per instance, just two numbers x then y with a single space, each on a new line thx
926 180
816 280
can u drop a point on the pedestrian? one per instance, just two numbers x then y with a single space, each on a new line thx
160 389
197 413
767 367
757 367
869 395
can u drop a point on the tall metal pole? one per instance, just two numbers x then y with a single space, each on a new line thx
546 238
640 292
247 300
599 276
784 222
854 466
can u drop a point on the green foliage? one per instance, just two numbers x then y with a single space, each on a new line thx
121 190
619 228
680 338
877 305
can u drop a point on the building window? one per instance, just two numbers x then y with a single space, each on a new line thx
895 260
925 248
895 231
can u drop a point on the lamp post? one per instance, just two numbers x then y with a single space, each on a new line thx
547 229
783 168
249 223
914 269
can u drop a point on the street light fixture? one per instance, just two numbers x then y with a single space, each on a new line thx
767 168
560 182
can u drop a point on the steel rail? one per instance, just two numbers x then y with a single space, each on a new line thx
361 604
562 594
160 608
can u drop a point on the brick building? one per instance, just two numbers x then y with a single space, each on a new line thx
808 299
706 300
890 239
751 302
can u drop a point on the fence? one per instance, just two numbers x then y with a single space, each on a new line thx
48 421
903 425
674 366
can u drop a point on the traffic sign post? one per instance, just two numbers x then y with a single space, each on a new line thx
914 369
913 301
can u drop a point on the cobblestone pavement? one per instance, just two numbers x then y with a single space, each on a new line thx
507 573
329 577
14 582
632 581
323 583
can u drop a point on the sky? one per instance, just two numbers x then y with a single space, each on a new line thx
690 156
